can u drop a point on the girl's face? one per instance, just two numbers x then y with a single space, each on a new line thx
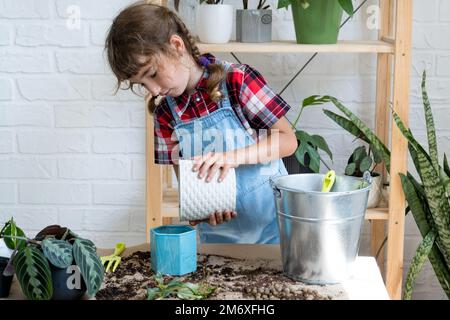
164 76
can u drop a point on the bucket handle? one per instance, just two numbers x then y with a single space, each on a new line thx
275 189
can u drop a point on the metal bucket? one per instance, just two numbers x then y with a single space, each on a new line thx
320 232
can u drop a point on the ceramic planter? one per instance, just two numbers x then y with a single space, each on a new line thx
253 25
214 23
319 23
173 249
68 284
375 192
5 281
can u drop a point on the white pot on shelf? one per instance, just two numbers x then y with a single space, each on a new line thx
214 23
375 192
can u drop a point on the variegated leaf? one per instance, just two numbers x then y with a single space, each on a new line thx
33 273
90 265
375 142
58 252
418 261
415 203
434 190
431 133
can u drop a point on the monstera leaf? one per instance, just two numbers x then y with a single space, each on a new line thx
90 265
33 273
58 252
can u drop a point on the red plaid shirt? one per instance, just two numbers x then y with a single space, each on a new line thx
255 104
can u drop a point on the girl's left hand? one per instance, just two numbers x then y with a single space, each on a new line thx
208 164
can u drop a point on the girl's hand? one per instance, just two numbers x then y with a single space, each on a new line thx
207 165
216 218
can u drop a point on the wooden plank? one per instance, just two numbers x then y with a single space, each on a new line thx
154 182
292 47
382 119
399 150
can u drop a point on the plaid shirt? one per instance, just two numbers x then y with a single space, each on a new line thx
256 105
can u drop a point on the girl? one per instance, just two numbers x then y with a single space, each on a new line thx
208 111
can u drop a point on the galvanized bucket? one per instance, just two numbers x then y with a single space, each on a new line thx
320 232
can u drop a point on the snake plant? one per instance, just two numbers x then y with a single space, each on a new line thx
428 199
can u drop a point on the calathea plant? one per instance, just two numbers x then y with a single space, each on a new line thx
60 247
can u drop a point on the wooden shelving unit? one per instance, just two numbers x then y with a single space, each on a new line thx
393 51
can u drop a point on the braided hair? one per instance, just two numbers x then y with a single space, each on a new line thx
144 29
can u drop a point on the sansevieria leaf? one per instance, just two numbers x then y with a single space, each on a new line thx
418 261
434 190
375 142
90 265
33 273
415 203
431 133
58 252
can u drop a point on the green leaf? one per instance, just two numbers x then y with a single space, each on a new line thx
359 154
307 146
33 273
350 169
315 100
376 155
347 5
434 190
346 124
320 143
58 252
431 133
374 141
419 206
366 163
90 265
418 261
446 167
10 232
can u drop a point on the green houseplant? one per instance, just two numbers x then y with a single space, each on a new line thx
306 158
428 198
317 21
43 265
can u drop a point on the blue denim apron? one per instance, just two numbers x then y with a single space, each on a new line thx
255 204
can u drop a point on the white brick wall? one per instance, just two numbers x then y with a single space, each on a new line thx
73 153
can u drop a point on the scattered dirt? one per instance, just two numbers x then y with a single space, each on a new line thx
232 278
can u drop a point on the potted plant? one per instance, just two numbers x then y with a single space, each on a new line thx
214 21
428 199
361 161
317 21
57 264
254 25
306 158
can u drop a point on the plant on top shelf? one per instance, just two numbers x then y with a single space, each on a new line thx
428 199
307 153
317 21
44 264
261 5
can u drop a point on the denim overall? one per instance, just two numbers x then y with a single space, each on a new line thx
255 204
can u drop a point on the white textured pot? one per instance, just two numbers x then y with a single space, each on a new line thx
198 199
214 23
375 192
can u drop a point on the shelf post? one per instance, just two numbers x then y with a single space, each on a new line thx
382 118
399 150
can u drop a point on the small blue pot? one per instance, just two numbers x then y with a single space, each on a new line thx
173 249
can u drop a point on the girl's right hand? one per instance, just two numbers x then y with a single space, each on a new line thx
216 218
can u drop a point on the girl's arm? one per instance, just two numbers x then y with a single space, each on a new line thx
279 143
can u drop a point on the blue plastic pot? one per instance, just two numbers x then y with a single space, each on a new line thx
173 249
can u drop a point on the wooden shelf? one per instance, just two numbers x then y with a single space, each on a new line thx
171 206
345 46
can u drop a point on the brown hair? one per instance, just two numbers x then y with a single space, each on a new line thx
144 29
